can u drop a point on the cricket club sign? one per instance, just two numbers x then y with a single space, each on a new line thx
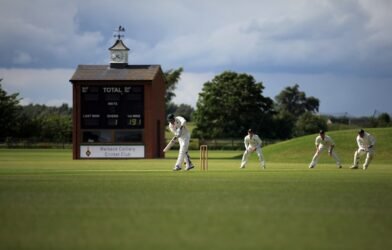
112 151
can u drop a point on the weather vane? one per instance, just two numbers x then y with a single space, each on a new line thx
119 30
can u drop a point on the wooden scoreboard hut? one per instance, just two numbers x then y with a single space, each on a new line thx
118 109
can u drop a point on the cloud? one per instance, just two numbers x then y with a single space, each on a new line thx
349 40
352 36
21 57
313 37
44 34
43 86
189 85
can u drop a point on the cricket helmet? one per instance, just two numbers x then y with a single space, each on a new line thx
170 117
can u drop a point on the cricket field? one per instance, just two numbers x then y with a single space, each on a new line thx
49 201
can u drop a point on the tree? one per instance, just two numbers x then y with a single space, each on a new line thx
383 120
171 108
185 111
229 105
57 128
28 127
50 124
284 124
9 111
295 102
171 79
290 105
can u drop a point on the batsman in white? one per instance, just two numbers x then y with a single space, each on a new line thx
178 128
323 142
252 143
366 144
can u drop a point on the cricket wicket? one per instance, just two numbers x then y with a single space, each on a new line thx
204 157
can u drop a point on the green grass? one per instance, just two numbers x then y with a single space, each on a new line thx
49 201
301 150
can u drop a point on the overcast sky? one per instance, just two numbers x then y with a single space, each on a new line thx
338 51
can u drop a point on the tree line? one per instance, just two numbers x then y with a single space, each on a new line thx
231 103
227 107
34 122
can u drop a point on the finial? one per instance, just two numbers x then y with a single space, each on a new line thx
119 30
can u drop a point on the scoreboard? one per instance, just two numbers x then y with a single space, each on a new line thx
118 111
112 107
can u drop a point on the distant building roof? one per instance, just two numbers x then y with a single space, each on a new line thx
106 73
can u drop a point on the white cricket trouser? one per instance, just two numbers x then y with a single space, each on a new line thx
247 153
183 151
361 152
317 155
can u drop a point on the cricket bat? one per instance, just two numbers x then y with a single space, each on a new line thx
170 144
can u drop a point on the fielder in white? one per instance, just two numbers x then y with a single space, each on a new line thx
366 144
178 128
252 143
323 142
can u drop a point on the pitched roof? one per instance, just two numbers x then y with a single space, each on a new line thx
119 45
106 73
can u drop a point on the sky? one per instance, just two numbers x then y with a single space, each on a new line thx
339 51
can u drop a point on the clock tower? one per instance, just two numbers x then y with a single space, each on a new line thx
119 52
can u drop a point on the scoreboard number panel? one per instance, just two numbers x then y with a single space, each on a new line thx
112 107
